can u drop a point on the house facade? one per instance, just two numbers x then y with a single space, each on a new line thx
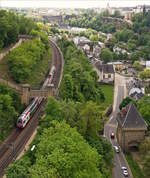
105 72
131 128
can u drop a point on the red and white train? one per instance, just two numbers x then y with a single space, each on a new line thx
30 110
28 113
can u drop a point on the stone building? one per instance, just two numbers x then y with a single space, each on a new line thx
105 72
131 128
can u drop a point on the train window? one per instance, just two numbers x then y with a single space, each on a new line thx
19 121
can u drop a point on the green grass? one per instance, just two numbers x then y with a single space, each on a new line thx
108 91
38 73
136 171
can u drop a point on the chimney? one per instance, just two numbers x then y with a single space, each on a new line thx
123 111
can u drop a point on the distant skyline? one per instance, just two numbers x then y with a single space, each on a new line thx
72 3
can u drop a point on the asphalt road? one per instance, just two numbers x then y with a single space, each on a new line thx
111 126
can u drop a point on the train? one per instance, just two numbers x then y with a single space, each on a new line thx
48 81
28 113
30 110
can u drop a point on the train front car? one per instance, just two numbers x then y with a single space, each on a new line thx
29 111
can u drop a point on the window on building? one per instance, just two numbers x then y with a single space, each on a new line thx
109 75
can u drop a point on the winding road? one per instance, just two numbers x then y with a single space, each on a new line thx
111 126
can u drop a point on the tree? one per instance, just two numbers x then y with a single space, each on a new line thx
7 115
23 59
144 147
67 87
117 13
91 122
137 65
106 55
64 154
53 108
145 74
19 168
125 102
146 165
144 109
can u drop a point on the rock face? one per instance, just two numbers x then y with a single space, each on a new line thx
131 128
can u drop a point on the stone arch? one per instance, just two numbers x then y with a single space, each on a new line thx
133 145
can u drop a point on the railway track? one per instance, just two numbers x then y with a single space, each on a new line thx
58 63
19 140
16 141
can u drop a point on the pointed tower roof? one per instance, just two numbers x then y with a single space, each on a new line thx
132 119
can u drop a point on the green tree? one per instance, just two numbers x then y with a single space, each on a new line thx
144 147
19 169
106 55
137 65
146 165
67 87
117 13
91 122
125 102
144 109
145 74
64 154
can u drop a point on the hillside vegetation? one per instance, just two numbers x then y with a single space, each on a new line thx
11 25
23 59
10 107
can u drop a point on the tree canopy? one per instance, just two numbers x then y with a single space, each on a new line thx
10 106
12 25
80 80
106 55
22 59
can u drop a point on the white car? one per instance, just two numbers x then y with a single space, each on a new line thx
116 149
124 168
125 173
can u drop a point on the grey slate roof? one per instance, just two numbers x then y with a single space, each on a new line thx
133 119
106 68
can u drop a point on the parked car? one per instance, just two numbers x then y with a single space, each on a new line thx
112 135
116 149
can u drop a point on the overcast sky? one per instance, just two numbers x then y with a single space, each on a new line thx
72 3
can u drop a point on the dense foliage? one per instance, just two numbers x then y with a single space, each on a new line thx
11 26
106 55
23 59
80 80
10 106
61 152
145 156
144 109
93 20
126 101
145 74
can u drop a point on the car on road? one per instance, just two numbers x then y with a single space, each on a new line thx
116 149
124 168
112 135
125 173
